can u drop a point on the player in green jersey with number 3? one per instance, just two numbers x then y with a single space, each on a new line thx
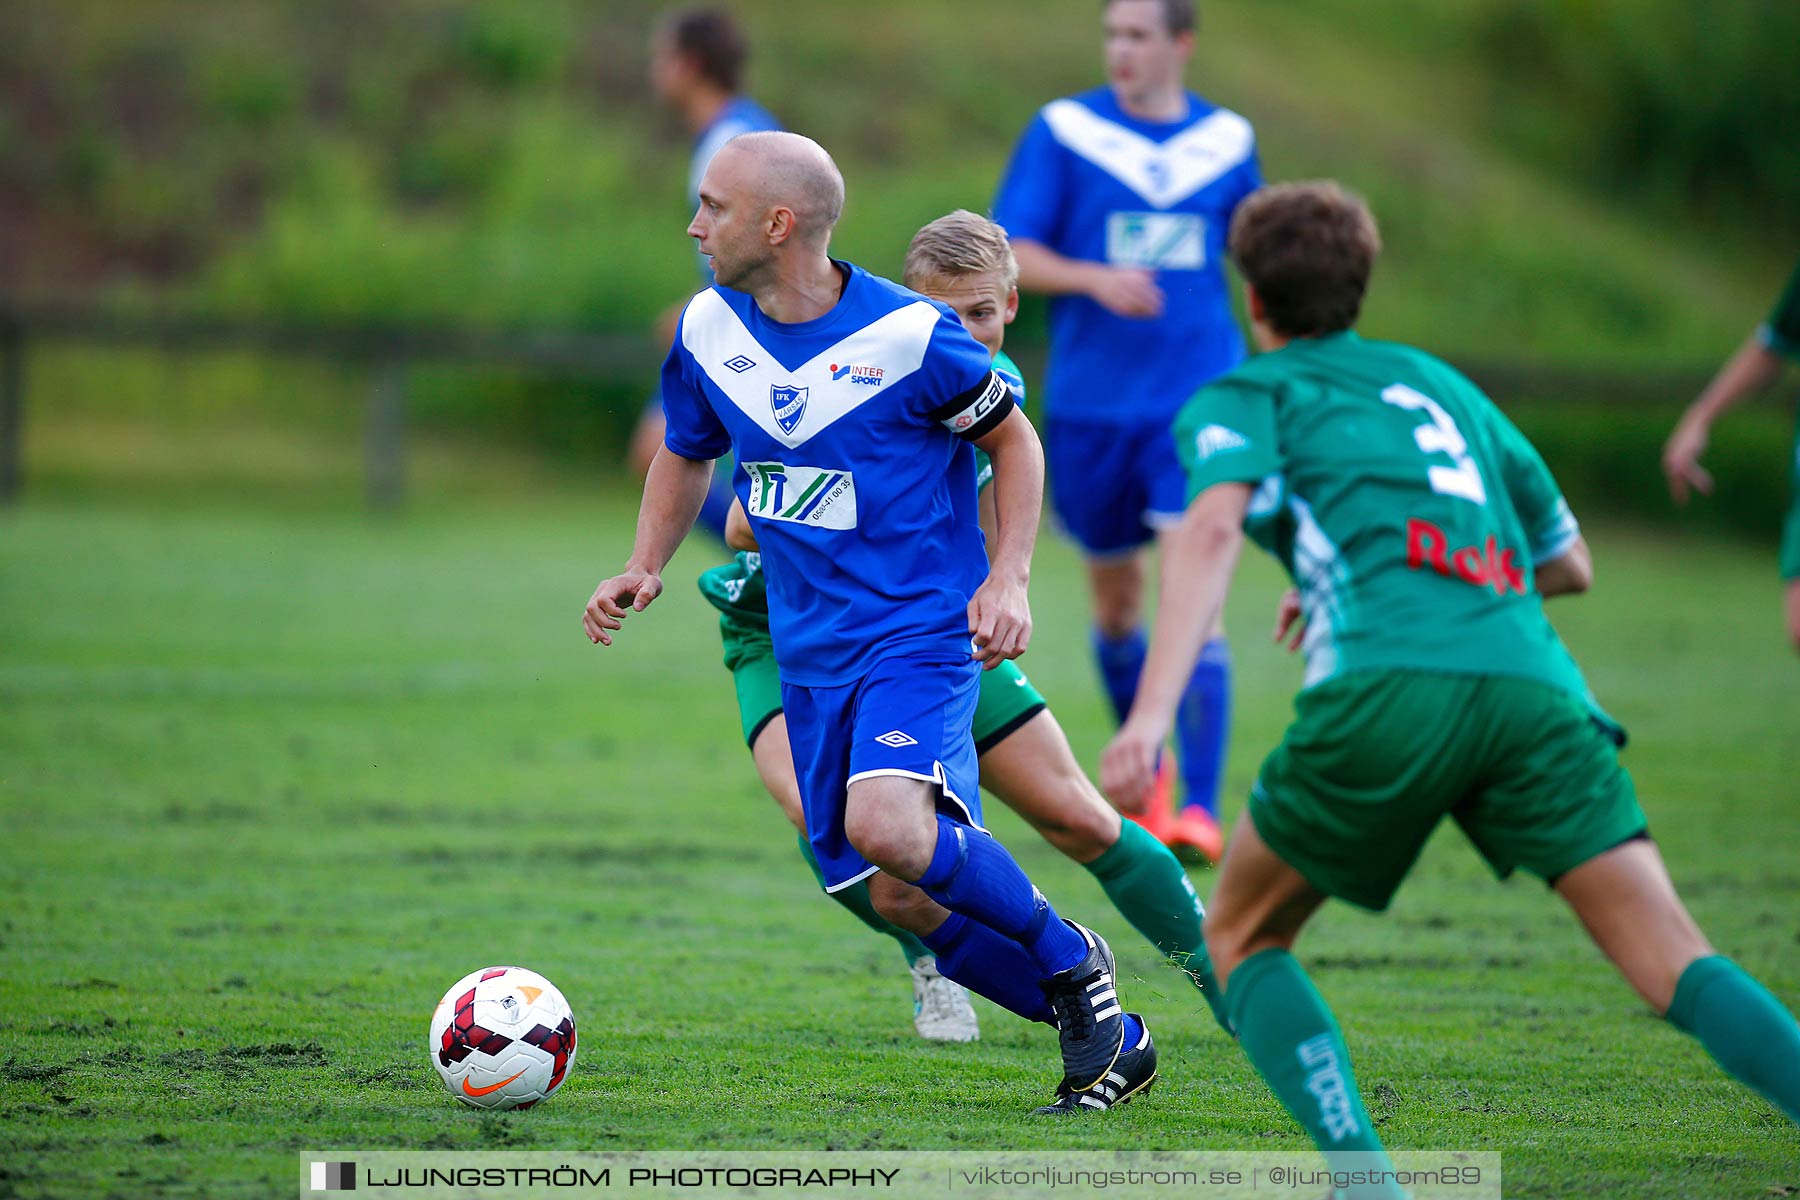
1421 530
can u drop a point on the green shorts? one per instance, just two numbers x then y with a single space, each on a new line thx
1790 528
1374 759
1008 699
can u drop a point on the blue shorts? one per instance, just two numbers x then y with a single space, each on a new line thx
907 716
1114 487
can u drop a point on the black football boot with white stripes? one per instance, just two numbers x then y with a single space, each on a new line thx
1089 1020
1130 1076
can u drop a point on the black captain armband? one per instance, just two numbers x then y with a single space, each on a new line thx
978 411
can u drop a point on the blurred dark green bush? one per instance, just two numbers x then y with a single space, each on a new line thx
1607 457
1690 106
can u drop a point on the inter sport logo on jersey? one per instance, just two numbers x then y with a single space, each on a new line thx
789 403
867 376
816 496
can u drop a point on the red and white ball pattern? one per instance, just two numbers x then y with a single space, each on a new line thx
503 1037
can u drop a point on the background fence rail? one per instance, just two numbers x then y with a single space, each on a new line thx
387 352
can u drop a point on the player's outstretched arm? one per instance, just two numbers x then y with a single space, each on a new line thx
1123 291
1000 610
1199 558
1568 574
1290 620
1751 369
673 491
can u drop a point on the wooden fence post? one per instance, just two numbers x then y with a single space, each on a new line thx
12 406
387 431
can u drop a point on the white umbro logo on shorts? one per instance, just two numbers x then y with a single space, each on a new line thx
897 740
740 364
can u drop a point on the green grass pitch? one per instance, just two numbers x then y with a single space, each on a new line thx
272 781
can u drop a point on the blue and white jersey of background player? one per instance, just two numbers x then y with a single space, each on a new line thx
850 435
740 115
1092 182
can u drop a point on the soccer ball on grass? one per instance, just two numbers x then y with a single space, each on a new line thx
503 1037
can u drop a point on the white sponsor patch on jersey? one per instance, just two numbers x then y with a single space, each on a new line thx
1158 241
821 497
1217 439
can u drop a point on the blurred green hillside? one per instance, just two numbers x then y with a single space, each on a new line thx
500 163
1607 183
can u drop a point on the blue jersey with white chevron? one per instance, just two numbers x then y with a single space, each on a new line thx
1092 182
850 434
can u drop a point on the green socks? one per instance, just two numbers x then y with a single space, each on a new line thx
856 899
1295 1044
1743 1027
1149 887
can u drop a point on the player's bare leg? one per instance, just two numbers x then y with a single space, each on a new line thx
1033 771
1282 1022
941 1011
1116 584
1630 908
775 766
1260 903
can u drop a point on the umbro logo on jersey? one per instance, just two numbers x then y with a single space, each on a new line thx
789 403
867 376
1216 439
740 363
897 739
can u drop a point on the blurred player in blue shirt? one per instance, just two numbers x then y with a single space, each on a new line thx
1118 202
697 58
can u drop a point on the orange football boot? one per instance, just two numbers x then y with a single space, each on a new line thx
1158 816
1195 836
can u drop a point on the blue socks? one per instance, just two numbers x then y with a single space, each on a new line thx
1203 726
1202 723
990 965
972 874
1121 662
998 968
